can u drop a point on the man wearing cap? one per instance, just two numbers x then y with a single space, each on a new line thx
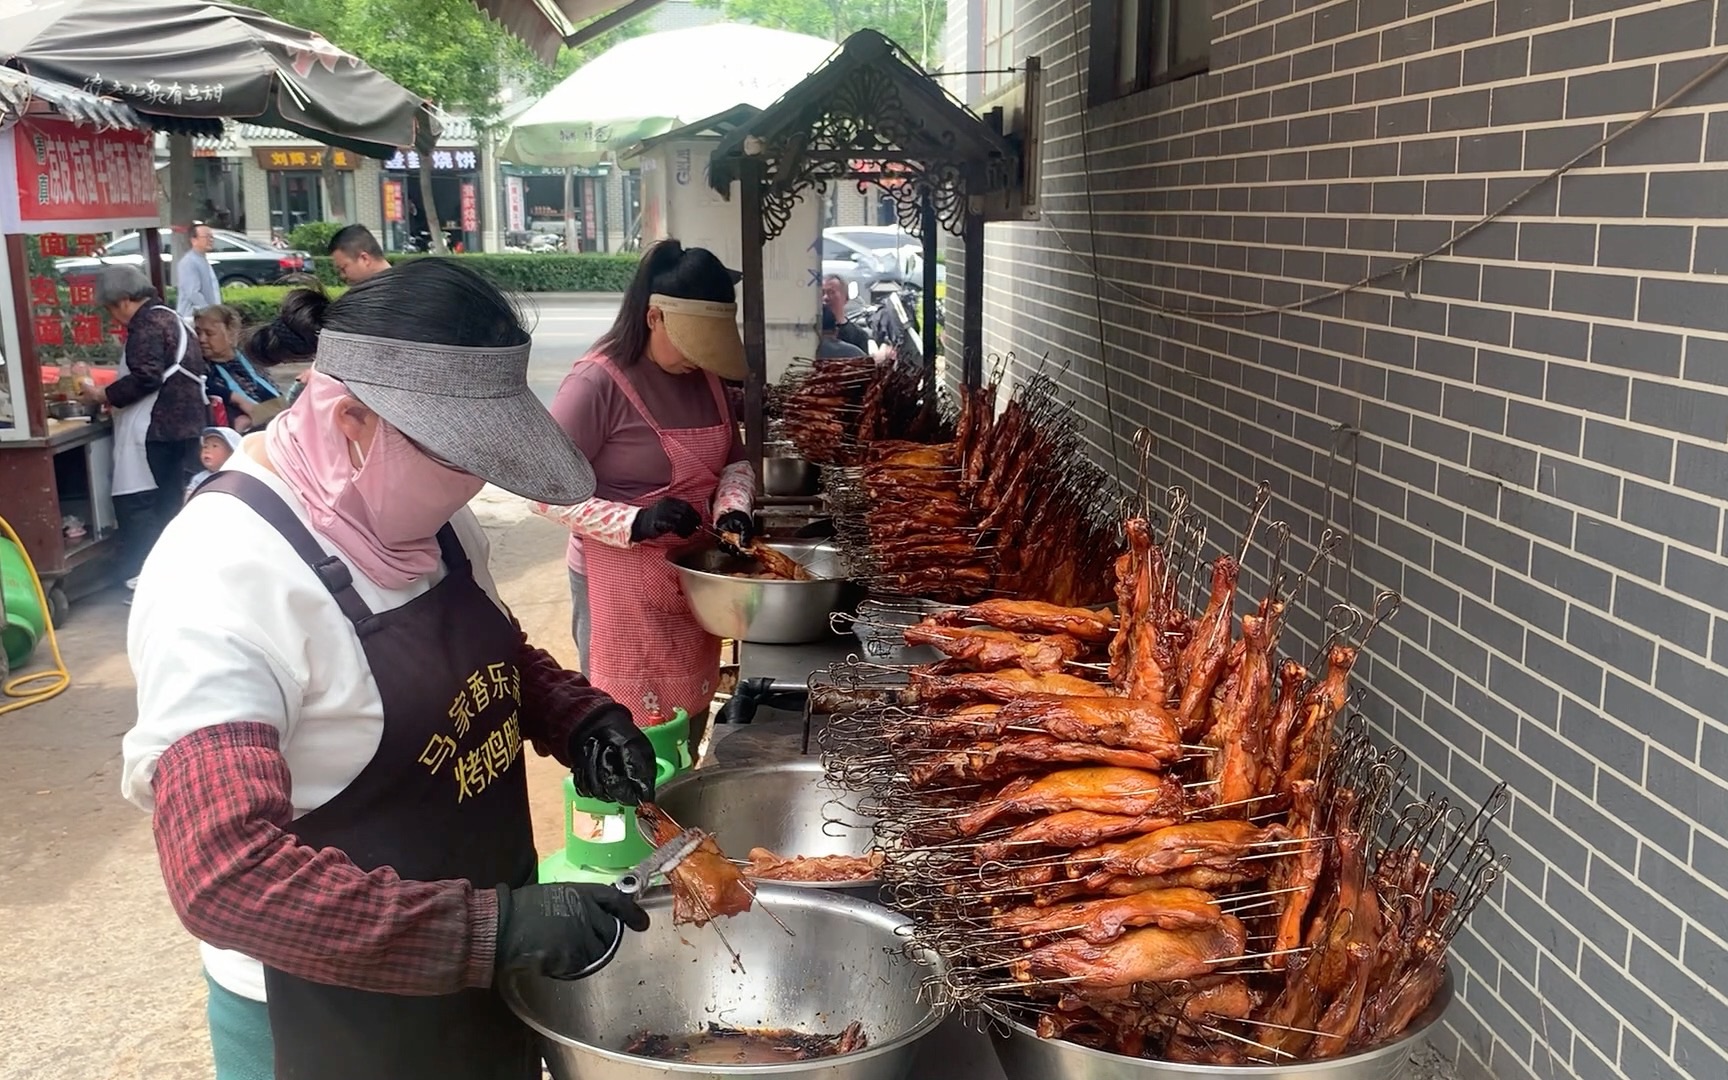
333 708
648 408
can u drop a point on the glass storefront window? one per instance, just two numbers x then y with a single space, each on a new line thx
216 194
295 199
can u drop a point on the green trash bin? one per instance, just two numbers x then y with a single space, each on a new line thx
21 616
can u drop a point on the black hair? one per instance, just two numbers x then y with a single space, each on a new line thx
671 269
355 241
432 300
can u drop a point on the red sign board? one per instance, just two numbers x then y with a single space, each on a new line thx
470 209
69 178
50 330
83 291
392 200
43 291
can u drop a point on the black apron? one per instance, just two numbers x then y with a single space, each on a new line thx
446 796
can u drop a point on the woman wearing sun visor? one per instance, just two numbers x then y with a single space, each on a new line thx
334 705
647 407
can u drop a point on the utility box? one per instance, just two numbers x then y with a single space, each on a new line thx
677 201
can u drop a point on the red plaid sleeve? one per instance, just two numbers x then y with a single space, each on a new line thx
239 879
556 702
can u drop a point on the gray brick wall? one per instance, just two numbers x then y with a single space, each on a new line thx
1541 417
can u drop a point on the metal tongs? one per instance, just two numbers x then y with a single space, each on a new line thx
662 860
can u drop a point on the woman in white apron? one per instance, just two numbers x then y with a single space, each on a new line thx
159 407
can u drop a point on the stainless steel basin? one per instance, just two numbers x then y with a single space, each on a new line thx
1024 1056
846 962
760 610
787 807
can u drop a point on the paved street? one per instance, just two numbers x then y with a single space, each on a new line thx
565 327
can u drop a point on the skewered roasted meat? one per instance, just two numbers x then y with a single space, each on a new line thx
1208 878
1070 829
706 885
1035 617
1103 790
1107 721
1220 845
989 650
1202 661
1291 677
767 866
1239 736
778 563
1102 921
999 686
994 761
1146 955
1323 701
1294 875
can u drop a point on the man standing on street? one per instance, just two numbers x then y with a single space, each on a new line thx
356 253
834 301
193 277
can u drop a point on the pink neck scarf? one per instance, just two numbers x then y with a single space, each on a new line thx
384 515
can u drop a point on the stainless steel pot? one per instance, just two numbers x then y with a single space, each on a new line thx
845 962
759 610
784 477
787 807
1024 1056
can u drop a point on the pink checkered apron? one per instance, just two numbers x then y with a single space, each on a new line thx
649 652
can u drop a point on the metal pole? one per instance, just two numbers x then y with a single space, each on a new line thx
972 325
929 229
755 327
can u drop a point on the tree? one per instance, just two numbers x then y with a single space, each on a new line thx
446 51
916 25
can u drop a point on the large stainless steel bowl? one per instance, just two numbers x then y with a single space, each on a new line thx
760 610
787 807
1024 1056
785 477
845 962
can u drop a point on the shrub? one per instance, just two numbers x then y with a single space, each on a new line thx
259 303
314 236
581 272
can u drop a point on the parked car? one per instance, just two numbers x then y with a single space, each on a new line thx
858 265
237 259
867 255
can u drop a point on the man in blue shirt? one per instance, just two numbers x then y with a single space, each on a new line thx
194 278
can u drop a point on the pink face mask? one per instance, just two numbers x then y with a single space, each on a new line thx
383 516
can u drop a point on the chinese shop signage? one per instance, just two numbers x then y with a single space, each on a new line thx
442 161
300 157
67 178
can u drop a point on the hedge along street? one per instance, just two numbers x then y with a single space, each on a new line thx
562 273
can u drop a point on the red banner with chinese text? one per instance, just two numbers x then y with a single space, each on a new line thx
470 209
73 178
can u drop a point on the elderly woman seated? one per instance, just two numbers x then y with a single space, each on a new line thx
251 398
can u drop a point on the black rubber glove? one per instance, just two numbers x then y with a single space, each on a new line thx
611 759
560 928
666 516
735 523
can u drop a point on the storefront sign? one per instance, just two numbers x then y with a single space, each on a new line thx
516 197
393 200
442 161
299 157
50 330
588 212
44 291
470 209
71 178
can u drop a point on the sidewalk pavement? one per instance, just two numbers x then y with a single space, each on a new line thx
98 980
